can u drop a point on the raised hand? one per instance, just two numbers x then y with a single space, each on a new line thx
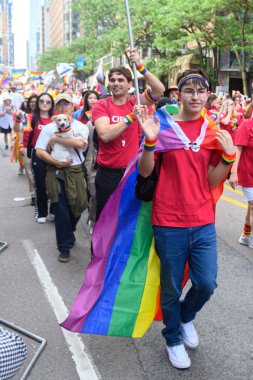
150 128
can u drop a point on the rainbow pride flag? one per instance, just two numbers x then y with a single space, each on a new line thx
100 87
5 79
36 75
17 73
120 295
88 114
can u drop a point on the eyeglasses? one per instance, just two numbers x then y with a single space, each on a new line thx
42 101
188 92
63 104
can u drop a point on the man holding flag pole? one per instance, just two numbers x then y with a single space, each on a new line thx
115 120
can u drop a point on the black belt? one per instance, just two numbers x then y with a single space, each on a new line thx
115 170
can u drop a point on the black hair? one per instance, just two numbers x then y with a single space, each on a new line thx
36 114
83 117
28 108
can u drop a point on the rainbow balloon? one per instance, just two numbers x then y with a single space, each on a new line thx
121 291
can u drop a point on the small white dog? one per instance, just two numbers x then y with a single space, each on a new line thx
62 129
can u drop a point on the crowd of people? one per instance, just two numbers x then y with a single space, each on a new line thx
101 135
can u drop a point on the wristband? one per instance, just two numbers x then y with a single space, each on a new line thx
20 146
142 69
228 159
18 119
149 144
149 96
129 119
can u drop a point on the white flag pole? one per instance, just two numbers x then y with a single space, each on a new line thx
132 46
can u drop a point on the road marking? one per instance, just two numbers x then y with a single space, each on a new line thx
237 203
234 191
80 354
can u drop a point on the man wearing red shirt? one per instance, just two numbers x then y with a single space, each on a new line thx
118 130
183 212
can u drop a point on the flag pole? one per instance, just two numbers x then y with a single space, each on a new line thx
132 46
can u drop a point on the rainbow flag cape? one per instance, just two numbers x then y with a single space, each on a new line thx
120 295
5 79
36 75
17 73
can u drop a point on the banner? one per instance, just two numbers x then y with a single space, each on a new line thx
79 62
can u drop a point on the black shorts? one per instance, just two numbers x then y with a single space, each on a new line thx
3 130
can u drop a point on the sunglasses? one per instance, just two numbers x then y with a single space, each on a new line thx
41 101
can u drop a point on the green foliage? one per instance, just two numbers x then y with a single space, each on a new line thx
165 25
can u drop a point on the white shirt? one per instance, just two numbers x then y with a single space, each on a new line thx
16 99
6 120
81 131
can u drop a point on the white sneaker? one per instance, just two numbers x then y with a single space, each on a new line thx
41 220
190 335
50 217
246 240
178 356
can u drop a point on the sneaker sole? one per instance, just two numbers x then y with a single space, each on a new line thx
62 260
179 365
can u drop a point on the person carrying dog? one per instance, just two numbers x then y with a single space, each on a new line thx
65 181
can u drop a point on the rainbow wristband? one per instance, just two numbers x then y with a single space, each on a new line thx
20 146
18 119
228 159
149 96
129 119
149 144
142 69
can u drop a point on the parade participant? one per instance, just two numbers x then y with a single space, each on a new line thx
6 117
183 221
228 118
242 174
41 117
65 181
16 97
249 110
22 126
85 116
212 108
115 122
238 101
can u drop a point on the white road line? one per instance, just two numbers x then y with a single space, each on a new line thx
80 354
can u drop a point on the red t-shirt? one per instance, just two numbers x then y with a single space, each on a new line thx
244 138
38 127
182 197
118 152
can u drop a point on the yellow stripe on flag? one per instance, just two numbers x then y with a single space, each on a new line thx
148 303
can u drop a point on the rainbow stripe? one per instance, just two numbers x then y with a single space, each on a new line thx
149 145
129 119
17 73
149 97
120 295
5 79
36 75
228 159
88 114
142 69
192 76
100 88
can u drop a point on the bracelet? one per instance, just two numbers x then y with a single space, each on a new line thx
149 96
18 119
142 69
129 119
20 146
149 144
228 159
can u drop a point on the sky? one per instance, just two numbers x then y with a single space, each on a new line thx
20 27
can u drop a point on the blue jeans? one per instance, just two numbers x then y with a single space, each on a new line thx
176 246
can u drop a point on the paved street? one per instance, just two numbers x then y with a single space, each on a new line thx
36 289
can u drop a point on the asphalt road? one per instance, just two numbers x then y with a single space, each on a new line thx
37 290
